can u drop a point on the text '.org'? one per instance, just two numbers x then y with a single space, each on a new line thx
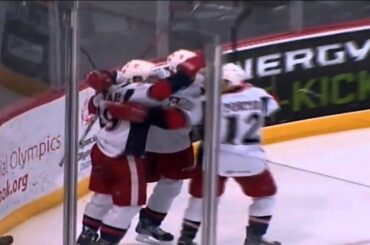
12 187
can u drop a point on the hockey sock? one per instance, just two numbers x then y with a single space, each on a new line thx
258 224
111 234
155 218
90 223
189 229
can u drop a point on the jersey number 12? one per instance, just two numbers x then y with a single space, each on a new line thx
254 121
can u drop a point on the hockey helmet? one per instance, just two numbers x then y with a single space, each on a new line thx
137 70
177 57
233 75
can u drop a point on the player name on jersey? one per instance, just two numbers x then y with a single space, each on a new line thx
243 105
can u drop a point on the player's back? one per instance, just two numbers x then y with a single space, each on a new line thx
243 116
242 119
119 136
170 141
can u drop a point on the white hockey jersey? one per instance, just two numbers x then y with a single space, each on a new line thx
116 136
242 118
171 141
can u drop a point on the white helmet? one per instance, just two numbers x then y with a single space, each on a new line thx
177 57
234 74
137 69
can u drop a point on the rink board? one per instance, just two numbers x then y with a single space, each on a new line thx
51 195
32 147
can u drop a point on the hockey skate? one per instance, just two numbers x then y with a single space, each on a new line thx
260 242
87 237
6 240
253 239
149 233
185 241
102 242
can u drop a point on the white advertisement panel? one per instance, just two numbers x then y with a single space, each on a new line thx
32 146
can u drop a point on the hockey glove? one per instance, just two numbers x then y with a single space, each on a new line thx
128 111
191 66
100 81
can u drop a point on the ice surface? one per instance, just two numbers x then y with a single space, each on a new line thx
311 209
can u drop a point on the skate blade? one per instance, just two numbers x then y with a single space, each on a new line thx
275 243
150 240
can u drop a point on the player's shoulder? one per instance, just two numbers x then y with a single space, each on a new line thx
134 87
124 88
257 91
140 85
194 90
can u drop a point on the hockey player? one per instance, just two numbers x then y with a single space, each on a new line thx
118 176
243 109
169 157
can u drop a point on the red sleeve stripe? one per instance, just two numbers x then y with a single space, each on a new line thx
91 107
175 119
161 90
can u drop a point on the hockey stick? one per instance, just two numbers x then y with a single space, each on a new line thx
320 174
309 92
81 142
234 32
87 131
92 122
88 56
364 242
306 171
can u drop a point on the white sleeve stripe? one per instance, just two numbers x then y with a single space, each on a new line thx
134 181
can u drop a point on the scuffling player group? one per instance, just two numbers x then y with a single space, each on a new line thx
147 116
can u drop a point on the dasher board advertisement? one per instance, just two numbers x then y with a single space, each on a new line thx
313 75
32 146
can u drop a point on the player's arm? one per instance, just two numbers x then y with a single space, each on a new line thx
100 81
197 120
166 118
94 102
161 90
127 111
269 103
186 73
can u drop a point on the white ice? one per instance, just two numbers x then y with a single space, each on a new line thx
311 209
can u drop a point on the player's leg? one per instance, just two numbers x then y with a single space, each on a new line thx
152 173
128 193
262 189
100 202
193 213
95 210
151 217
173 168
